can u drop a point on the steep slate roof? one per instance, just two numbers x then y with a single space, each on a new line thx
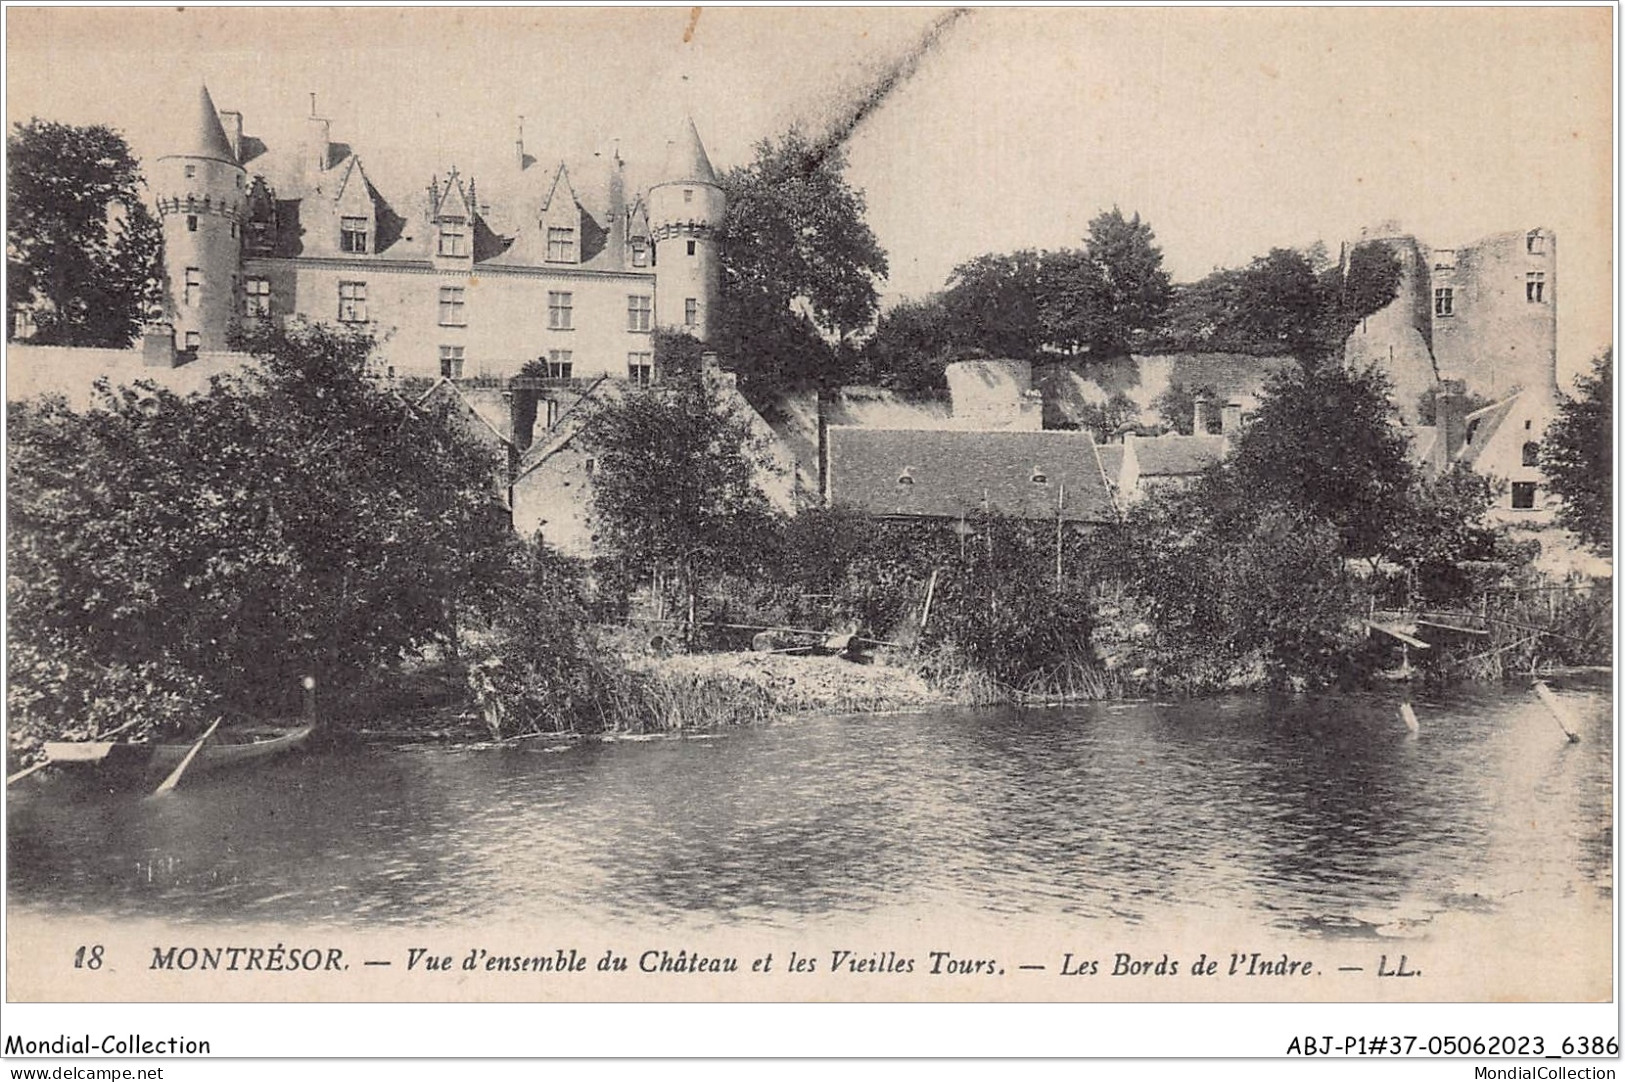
566 428
1177 456
509 197
1481 425
955 472
206 138
686 158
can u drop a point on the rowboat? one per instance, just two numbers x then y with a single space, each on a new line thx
228 747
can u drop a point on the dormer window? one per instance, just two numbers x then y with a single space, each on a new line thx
561 244
907 476
640 253
1536 243
353 235
454 238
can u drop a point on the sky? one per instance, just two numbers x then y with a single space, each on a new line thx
1231 131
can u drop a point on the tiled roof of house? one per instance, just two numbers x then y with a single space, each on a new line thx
949 473
1111 461
1481 426
1177 456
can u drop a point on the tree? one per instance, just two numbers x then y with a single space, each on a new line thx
1113 291
994 304
799 262
294 519
675 485
1288 301
1325 444
911 348
1577 457
1177 408
82 249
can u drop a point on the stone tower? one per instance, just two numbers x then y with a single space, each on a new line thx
201 192
685 213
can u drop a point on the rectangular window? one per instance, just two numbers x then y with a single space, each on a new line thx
691 312
561 245
193 340
256 297
1537 243
191 171
353 234
1534 287
452 311
560 311
451 362
640 253
454 238
191 223
1444 301
688 195
352 302
558 364
194 286
1523 495
690 247
639 313
640 368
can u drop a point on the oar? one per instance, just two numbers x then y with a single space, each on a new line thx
1550 700
23 773
174 779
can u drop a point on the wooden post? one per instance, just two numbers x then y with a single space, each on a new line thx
930 591
1060 502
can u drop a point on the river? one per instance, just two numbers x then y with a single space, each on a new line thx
1317 817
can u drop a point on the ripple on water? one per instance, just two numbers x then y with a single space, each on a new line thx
1316 814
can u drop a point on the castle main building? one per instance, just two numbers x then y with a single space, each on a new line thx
462 280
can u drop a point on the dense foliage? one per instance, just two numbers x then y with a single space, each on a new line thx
82 249
1288 302
675 485
1577 456
800 266
1095 301
292 519
1324 443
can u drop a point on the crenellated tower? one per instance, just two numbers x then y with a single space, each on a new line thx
201 195
685 214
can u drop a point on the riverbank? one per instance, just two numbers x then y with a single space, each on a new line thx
676 694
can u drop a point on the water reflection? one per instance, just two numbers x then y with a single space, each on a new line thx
1316 814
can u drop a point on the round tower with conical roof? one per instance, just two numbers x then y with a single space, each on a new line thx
201 192
685 214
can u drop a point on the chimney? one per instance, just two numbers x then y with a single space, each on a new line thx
158 345
617 208
232 121
1199 418
1450 414
1230 419
316 140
